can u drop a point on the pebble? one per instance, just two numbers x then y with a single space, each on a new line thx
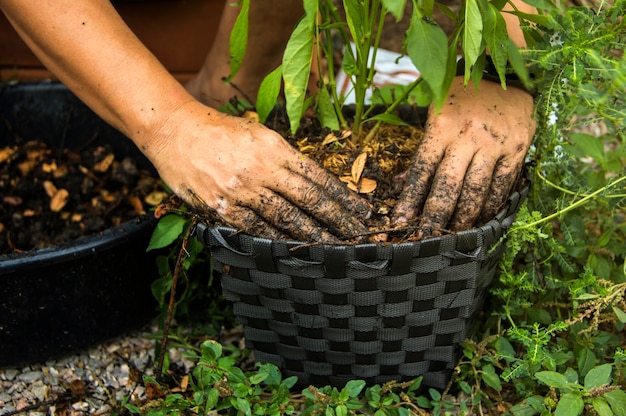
94 381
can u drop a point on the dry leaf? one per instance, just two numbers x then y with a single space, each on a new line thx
48 167
26 166
59 200
358 166
12 200
364 186
6 153
76 217
29 213
135 202
154 198
104 164
330 138
251 115
50 189
60 171
367 185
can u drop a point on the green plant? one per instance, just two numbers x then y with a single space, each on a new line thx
479 26
551 341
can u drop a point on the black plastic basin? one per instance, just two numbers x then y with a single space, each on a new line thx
62 299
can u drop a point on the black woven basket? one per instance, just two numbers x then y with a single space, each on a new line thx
328 314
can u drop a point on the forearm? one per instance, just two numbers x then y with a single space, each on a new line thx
92 51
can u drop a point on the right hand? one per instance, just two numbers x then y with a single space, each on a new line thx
251 178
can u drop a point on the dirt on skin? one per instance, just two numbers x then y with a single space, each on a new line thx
52 196
388 159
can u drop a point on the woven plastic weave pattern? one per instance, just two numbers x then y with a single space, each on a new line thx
328 314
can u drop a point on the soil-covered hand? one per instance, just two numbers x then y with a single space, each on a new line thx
252 179
472 154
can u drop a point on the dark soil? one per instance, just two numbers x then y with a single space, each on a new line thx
53 196
389 157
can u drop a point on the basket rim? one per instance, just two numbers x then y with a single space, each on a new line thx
501 221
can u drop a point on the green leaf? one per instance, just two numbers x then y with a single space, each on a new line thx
395 7
238 41
211 350
472 35
268 93
620 314
529 407
587 145
496 36
617 401
570 404
542 4
167 230
341 410
601 406
598 376
490 377
552 379
354 11
427 46
297 67
325 110
518 64
586 361
354 387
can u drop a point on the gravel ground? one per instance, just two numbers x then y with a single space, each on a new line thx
93 382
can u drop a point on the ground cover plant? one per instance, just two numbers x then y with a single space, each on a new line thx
551 339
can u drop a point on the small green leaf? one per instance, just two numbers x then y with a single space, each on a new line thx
621 315
297 68
211 350
168 229
586 361
601 406
341 410
354 387
268 93
325 110
598 376
617 401
238 41
427 46
587 145
472 35
490 377
529 407
355 18
496 37
552 379
570 404
395 7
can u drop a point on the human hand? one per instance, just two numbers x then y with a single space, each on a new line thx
470 157
252 179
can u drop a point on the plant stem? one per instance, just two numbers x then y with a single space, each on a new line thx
170 309
576 204
372 133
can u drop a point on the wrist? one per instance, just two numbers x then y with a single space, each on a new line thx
490 73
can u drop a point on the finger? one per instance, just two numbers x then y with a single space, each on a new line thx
249 222
474 192
418 183
504 178
330 202
284 216
444 194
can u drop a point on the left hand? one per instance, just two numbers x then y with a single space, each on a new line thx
470 157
